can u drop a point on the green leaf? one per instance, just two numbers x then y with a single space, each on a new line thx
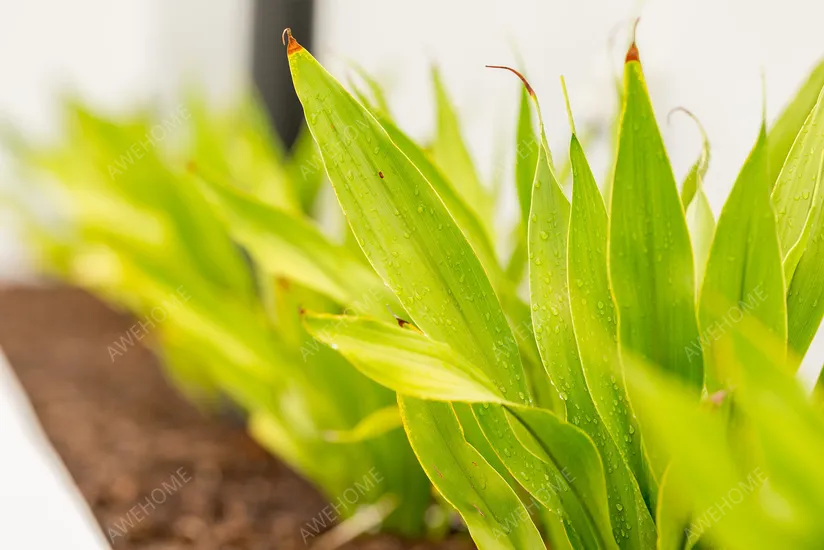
404 359
701 225
744 270
695 177
700 220
450 153
793 256
651 265
495 516
526 150
672 516
784 130
405 230
805 288
582 485
791 431
374 425
551 317
305 169
464 217
291 247
669 415
594 319
412 364
793 192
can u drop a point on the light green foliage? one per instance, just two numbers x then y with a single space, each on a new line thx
617 407
650 259
784 130
744 270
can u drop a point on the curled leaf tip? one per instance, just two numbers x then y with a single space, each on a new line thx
632 54
529 89
291 44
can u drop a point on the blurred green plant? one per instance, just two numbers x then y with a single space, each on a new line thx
231 234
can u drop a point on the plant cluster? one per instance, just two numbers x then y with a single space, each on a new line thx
641 393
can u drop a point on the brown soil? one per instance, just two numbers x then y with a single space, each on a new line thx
123 432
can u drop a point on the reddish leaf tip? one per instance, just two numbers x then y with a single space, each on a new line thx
632 54
519 75
291 44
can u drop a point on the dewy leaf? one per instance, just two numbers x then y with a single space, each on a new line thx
403 359
744 271
466 219
784 130
405 231
291 247
793 255
594 317
526 150
651 265
793 192
551 318
493 513
451 154
582 484
805 286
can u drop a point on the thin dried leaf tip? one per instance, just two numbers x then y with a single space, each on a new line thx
519 75
568 107
632 54
291 44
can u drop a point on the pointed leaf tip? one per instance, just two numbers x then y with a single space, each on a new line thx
291 44
518 74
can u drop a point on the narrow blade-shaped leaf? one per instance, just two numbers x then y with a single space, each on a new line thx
701 225
526 159
404 229
700 220
374 425
403 359
594 317
551 317
494 514
744 270
651 264
793 192
805 288
464 216
574 455
784 130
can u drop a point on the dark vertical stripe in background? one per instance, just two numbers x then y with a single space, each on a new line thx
270 68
